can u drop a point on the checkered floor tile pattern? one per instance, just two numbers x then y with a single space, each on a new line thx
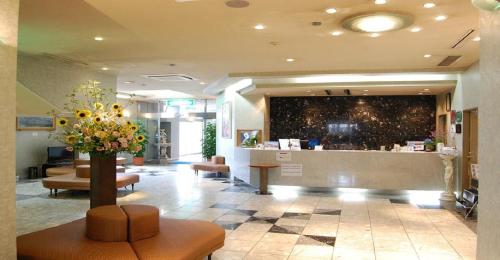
286 225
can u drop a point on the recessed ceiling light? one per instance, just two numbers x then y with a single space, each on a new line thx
476 39
202 83
416 29
429 5
331 10
440 17
377 22
128 82
374 35
290 60
420 93
427 56
426 89
380 2
104 68
308 91
98 38
336 33
259 27
366 90
365 94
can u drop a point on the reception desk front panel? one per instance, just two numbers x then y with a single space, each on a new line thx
345 169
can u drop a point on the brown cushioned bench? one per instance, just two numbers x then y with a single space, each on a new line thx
126 232
216 164
73 182
55 171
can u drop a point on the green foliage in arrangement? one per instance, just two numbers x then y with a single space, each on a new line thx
209 140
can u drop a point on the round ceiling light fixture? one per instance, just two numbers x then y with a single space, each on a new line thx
377 22
237 3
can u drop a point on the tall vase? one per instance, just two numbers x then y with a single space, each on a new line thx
102 179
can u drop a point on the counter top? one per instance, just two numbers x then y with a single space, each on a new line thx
342 151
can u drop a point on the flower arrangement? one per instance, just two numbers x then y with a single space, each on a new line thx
143 136
93 124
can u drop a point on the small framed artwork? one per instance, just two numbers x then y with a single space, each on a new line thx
226 120
248 137
35 123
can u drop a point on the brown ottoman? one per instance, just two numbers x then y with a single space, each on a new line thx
107 224
143 221
83 171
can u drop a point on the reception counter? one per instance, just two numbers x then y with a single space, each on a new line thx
343 169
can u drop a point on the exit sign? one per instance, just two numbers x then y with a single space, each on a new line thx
180 102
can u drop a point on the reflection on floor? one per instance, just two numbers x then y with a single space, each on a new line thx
287 225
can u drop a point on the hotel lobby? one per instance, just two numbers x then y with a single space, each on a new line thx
249 129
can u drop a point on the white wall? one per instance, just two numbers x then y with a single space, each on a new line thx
48 81
248 112
9 13
489 143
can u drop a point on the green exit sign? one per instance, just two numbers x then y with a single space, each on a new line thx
180 102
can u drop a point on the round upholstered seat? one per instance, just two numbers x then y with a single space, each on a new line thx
143 221
107 224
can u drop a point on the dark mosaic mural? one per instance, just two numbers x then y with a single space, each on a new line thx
353 122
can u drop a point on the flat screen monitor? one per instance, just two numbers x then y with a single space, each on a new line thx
59 154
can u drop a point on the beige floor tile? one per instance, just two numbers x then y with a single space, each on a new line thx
272 248
358 244
280 238
318 218
322 229
398 245
432 256
311 251
351 254
395 255
228 255
265 257
238 245
245 235
255 227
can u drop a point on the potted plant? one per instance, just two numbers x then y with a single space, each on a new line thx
92 123
208 148
138 159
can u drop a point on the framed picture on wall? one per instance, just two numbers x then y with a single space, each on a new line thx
226 120
35 123
248 137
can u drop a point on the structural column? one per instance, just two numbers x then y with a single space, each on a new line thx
9 15
489 143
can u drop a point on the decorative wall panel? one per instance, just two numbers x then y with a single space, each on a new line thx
353 122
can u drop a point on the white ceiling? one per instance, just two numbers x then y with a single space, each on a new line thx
208 41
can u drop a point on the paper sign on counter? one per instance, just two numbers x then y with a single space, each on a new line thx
283 156
288 169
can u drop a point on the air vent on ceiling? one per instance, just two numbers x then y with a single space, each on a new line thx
449 60
169 77
462 38
64 59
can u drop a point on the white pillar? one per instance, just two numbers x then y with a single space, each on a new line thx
9 15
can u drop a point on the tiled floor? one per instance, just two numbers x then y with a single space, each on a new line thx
286 225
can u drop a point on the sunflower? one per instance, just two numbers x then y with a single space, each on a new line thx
62 121
70 139
129 123
98 106
119 114
133 127
97 119
140 138
116 107
83 113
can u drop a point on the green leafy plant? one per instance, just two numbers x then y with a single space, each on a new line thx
141 130
209 141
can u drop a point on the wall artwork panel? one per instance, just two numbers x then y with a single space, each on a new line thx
353 122
226 120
